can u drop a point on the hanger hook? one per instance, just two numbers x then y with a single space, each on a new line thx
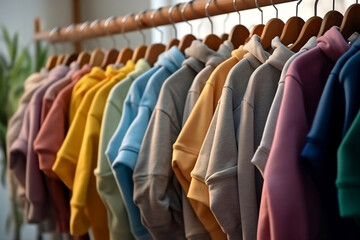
123 22
237 11
315 7
68 29
137 19
171 19
277 11
106 25
208 16
297 7
261 11
154 25
183 15
225 21
82 28
333 5
52 32
92 25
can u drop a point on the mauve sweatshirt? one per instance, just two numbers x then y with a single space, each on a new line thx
289 197
23 158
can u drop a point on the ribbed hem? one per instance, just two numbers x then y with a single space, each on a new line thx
79 223
127 157
199 191
349 199
36 212
199 237
169 231
218 234
46 162
17 161
182 165
65 170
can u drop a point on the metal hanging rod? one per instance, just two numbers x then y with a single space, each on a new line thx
195 10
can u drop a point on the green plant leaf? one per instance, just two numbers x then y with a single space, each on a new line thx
15 46
9 43
3 62
8 223
18 66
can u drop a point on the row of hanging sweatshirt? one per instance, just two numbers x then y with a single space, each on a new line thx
230 144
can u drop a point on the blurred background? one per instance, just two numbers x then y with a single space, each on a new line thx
17 23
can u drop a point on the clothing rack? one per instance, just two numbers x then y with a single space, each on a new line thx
195 10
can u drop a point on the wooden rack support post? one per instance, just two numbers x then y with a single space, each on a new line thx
195 10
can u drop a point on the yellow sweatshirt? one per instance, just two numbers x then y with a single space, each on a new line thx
188 144
67 156
86 205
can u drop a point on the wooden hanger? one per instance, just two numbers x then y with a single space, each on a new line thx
140 50
259 28
273 28
69 58
186 40
239 33
97 55
83 58
139 53
51 62
154 50
311 28
174 41
351 21
112 54
60 59
291 30
125 53
52 59
110 57
225 36
211 40
331 18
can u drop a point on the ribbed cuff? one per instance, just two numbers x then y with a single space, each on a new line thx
349 199
199 191
65 170
79 223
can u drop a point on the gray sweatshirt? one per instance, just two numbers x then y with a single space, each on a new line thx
262 153
219 150
155 185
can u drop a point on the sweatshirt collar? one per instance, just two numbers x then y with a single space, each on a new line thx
141 66
280 54
171 59
333 44
58 72
223 53
256 54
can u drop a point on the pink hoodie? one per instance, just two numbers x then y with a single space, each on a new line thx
290 205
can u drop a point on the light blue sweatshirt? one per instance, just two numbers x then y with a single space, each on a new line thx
126 159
